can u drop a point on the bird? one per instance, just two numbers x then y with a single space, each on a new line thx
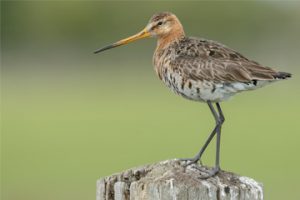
201 70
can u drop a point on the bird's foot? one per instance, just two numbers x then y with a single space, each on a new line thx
210 173
206 173
190 161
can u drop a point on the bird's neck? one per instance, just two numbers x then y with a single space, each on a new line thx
165 40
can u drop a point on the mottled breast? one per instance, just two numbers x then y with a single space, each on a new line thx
184 78
174 77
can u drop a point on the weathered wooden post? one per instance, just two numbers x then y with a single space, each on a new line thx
170 180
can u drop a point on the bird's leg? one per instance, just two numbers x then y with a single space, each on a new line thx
215 130
221 120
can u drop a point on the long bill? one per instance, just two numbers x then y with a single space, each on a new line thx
143 34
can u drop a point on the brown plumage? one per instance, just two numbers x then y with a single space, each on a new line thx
201 70
204 61
212 61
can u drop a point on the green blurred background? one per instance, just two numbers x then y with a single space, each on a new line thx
70 117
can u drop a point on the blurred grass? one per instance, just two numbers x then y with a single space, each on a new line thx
59 136
70 117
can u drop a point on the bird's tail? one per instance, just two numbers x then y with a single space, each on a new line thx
282 75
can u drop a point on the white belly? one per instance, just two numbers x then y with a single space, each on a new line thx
205 90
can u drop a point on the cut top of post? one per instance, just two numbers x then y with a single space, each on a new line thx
171 180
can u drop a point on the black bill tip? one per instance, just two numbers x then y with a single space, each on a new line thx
105 48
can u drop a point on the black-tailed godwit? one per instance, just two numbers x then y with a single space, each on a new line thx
201 70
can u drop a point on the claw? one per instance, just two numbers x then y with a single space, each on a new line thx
190 161
209 173
205 172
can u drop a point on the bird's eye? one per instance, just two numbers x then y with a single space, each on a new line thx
159 23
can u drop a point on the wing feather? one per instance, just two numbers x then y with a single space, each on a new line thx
212 61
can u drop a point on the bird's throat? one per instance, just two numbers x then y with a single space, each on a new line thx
165 40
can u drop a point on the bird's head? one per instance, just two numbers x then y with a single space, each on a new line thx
164 24
161 25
